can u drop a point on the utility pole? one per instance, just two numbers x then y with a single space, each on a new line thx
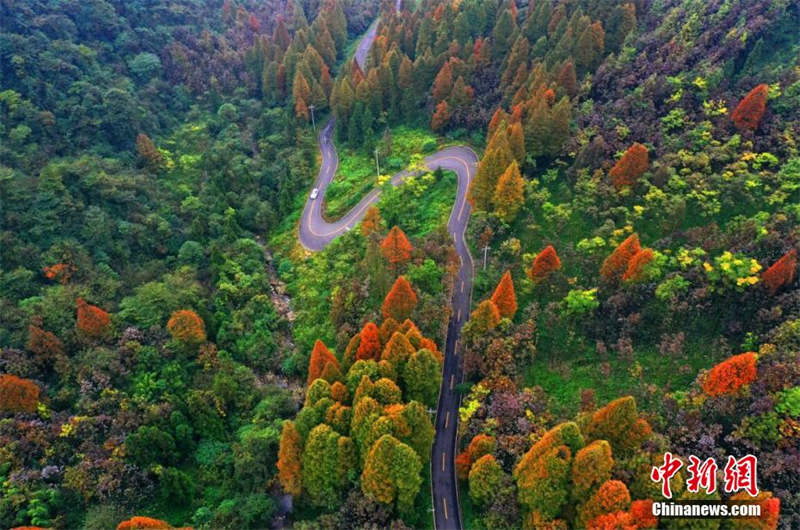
485 252
377 164
313 122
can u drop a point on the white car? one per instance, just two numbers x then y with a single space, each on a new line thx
314 194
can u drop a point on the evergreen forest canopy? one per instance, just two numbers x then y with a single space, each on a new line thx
173 357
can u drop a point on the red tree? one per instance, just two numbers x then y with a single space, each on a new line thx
17 394
441 117
92 320
781 273
60 272
142 523
616 264
545 262
396 247
750 110
730 375
321 357
770 511
370 345
642 514
630 167
400 301
43 343
612 496
635 270
504 297
186 326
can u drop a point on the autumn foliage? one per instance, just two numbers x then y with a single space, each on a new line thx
612 496
289 452
370 345
620 424
616 264
481 444
396 247
61 272
186 326
630 167
485 317
43 343
92 321
545 262
320 358
400 301
504 297
441 117
142 523
148 151
730 375
748 113
781 273
770 511
372 221
635 270
17 394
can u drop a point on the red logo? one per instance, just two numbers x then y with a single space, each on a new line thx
739 474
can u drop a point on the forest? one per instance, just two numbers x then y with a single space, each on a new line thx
171 355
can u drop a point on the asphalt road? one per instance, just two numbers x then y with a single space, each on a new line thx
316 233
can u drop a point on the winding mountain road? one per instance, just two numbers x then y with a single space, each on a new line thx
316 233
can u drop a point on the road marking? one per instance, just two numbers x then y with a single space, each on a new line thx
444 456
462 286
459 314
447 420
444 504
452 381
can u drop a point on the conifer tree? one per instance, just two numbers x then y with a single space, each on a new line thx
485 479
321 356
497 158
370 345
630 167
516 140
504 297
781 273
545 262
372 222
400 301
443 84
485 317
289 463
441 118
748 113
396 247
617 262
509 193
636 266
392 473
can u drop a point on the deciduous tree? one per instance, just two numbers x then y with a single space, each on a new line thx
748 113
545 262
485 479
509 193
636 266
485 317
781 273
504 297
370 345
620 424
630 167
441 117
392 473
400 301
142 523
730 375
186 326
18 394
92 321
617 262
396 247
321 356
289 459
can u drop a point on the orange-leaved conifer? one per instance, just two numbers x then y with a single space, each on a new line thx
18 394
289 459
496 159
730 375
636 266
372 221
441 117
781 273
485 317
186 326
630 167
748 113
320 358
509 193
370 345
592 466
396 247
400 301
617 262
545 262
504 297
92 321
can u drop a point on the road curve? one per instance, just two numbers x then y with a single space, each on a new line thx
316 233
